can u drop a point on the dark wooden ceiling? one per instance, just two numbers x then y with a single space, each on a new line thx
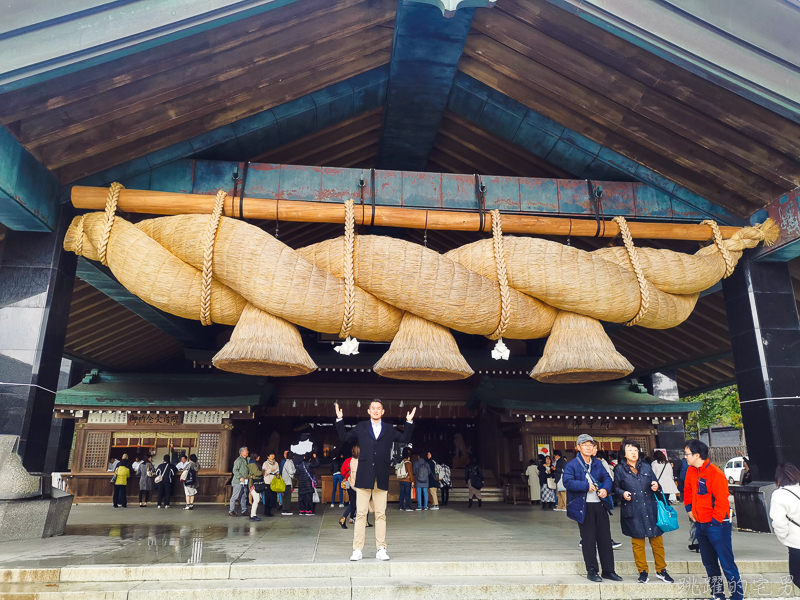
106 115
352 143
103 332
461 146
712 141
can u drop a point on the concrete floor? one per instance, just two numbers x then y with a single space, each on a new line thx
102 535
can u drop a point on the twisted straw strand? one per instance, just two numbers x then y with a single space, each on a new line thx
633 255
349 275
108 222
720 244
79 236
208 258
502 275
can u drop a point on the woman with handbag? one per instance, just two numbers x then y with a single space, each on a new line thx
635 486
165 473
547 482
147 473
271 470
120 479
189 479
287 474
784 511
305 485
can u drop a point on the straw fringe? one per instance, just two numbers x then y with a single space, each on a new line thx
262 344
578 350
423 351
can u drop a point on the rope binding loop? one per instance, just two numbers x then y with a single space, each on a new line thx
633 255
720 244
349 276
208 257
502 275
108 220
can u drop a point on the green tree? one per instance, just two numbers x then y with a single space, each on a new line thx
719 407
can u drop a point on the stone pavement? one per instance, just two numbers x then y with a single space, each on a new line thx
497 551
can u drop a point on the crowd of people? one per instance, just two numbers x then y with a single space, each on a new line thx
159 478
588 488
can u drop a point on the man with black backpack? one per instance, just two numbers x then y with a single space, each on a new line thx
474 476
421 473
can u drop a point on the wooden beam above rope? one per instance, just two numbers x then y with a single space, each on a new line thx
169 203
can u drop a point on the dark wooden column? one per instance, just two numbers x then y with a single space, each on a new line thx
36 280
765 335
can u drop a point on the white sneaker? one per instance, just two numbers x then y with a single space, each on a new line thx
341 505
435 507
332 505
381 554
356 555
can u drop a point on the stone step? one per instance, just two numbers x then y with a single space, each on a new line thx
490 494
485 587
368 568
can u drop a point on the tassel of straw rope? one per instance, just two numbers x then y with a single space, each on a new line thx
502 275
108 221
644 294
723 250
208 258
349 276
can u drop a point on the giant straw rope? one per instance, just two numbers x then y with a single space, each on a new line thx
362 285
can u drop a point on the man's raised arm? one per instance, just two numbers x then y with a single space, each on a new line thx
344 435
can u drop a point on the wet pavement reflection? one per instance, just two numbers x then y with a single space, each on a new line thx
101 535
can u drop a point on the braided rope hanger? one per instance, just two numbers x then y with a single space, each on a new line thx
633 255
498 247
108 220
208 258
723 250
349 275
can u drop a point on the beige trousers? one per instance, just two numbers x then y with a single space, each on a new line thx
362 502
432 496
562 500
254 497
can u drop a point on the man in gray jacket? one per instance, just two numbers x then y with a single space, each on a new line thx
239 482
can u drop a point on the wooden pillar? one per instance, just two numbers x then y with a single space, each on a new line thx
224 463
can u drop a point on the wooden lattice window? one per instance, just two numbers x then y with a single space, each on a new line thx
97 446
542 439
642 441
207 447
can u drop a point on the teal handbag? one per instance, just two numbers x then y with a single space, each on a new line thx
667 519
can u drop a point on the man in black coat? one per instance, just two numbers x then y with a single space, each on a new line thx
375 439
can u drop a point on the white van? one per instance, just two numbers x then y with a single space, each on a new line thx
734 470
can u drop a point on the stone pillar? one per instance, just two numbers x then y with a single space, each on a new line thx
765 335
36 280
671 434
61 430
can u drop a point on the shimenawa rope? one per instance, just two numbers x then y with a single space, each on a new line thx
633 255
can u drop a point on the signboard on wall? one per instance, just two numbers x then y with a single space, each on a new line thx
543 449
116 417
